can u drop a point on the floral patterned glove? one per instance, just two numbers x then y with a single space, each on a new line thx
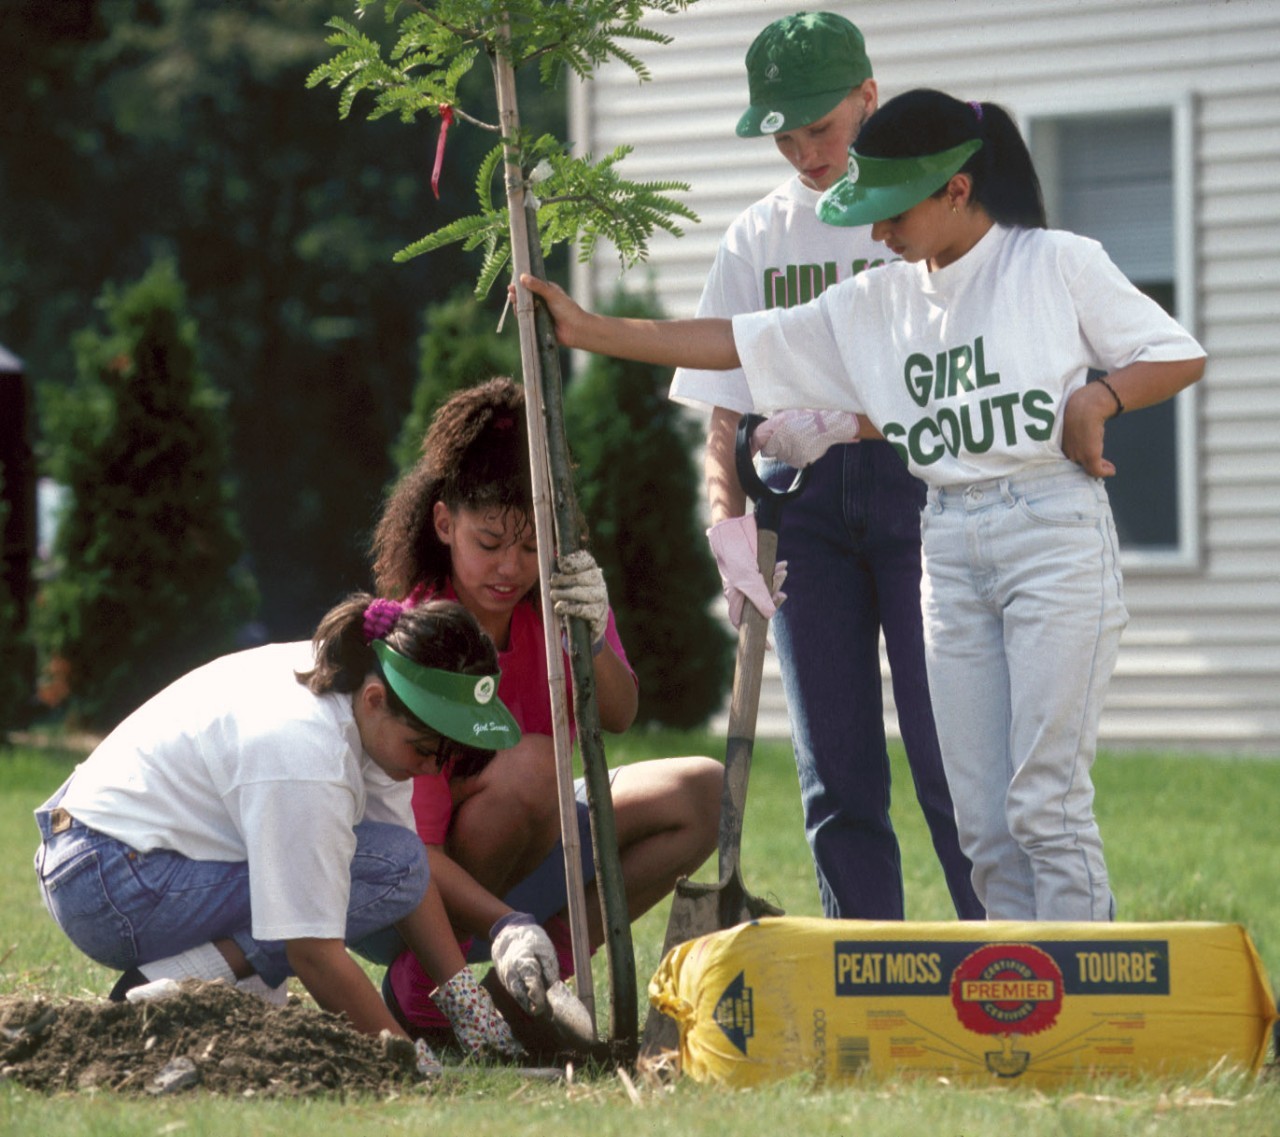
425 1062
475 1020
411 1055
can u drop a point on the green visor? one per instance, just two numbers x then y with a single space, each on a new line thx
877 188
465 708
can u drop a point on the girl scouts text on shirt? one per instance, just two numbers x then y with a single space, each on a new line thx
974 427
970 426
798 284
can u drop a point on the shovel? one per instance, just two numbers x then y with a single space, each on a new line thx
699 908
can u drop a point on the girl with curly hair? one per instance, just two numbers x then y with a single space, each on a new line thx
459 525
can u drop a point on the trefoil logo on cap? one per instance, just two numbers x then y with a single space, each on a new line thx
485 689
772 122
772 72
853 169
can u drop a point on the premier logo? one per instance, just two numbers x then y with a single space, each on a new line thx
1007 989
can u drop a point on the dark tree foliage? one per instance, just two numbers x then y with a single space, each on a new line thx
459 348
13 671
131 129
145 581
637 488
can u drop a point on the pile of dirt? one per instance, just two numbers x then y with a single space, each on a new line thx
207 1035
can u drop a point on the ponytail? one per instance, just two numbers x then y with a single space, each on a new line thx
475 455
1005 182
440 634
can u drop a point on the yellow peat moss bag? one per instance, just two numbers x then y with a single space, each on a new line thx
1004 1002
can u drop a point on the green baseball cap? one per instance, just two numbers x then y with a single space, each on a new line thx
876 188
798 69
465 708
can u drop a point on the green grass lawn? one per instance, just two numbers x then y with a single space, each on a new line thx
1187 839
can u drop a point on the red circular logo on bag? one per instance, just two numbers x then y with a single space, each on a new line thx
1007 989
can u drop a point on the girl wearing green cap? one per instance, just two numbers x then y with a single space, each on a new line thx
972 355
856 520
253 818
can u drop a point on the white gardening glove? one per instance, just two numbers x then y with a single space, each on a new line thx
476 1022
578 589
734 541
800 437
525 959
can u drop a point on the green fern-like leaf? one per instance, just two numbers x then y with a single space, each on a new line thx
495 262
436 45
485 176
468 230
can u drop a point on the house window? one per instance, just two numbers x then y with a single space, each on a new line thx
1121 177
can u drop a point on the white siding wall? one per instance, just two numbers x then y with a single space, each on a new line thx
1200 663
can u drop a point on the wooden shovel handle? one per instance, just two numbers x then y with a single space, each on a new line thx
753 633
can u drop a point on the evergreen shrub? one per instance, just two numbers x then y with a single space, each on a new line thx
14 696
458 349
147 580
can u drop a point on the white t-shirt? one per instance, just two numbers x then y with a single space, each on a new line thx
776 254
237 761
965 370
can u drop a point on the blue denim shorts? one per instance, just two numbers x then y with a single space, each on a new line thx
123 908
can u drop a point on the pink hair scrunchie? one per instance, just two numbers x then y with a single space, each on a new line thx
380 617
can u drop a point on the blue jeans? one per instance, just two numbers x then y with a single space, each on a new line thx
1024 609
123 908
852 543
543 893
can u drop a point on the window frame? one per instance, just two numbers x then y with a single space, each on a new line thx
1188 554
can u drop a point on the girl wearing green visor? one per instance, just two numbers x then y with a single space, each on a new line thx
972 355
253 818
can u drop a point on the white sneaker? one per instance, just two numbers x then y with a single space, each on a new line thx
156 989
256 985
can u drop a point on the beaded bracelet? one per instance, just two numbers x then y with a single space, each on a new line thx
1119 405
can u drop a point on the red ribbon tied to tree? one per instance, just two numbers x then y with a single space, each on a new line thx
446 120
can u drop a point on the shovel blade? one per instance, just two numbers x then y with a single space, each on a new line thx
697 909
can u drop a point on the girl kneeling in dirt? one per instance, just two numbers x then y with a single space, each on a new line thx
254 817
459 525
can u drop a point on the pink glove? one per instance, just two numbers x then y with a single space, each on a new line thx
734 543
800 437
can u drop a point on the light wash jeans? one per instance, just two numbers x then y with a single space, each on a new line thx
1024 607
123 908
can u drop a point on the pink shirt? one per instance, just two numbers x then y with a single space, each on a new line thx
525 690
